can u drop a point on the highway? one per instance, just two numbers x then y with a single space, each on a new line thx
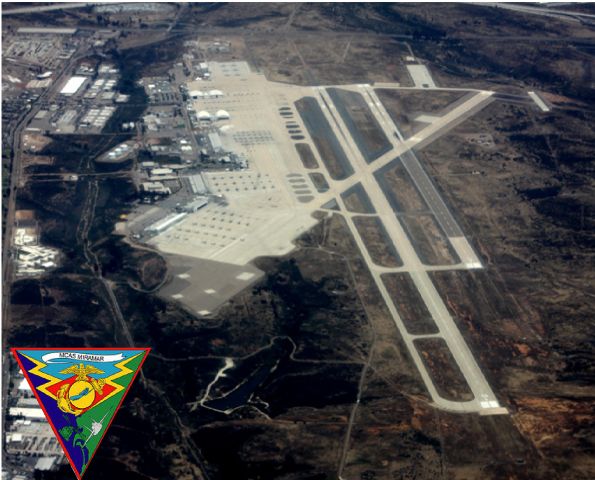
44 8
568 15
484 398
16 178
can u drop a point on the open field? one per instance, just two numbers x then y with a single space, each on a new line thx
378 241
357 200
411 307
319 182
428 239
407 108
329 148
361 123
400 191
443 369
306 155
308 59
523 213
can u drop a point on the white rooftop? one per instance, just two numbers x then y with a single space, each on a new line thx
72 85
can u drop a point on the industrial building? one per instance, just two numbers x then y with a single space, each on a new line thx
27 412
197 184
47 30
165 223
215 141
27 433
195 205
97 117
118 154
161 171
203 115
25 236
156 188
45 463
35 259
73 85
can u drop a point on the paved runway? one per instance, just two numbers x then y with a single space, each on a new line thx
484 397
428 190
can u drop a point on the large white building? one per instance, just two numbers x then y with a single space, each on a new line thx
162 225
215 141
73 85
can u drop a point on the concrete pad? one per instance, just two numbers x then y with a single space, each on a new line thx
465 252
540 103
208 284
426 118
245 276
421 76
494 411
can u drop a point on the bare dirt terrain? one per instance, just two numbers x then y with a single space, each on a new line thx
319 181
405 106
357 201
412 310
361 123
400 189
377 241
443 368
429 240
306 155
324 138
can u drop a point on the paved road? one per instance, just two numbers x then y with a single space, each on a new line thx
544 11
448 330
47 8
8 239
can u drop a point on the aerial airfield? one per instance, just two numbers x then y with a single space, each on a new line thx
296 150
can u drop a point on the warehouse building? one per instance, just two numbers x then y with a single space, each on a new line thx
155 187
215 141
195 205
165 223
73 85
47 30
197 184
161 171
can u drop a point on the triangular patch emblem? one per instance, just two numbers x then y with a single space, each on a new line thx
80 390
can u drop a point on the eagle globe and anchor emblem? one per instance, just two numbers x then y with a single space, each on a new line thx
80 391
76 397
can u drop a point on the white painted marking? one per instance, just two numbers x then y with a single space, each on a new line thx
245 276
540 103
